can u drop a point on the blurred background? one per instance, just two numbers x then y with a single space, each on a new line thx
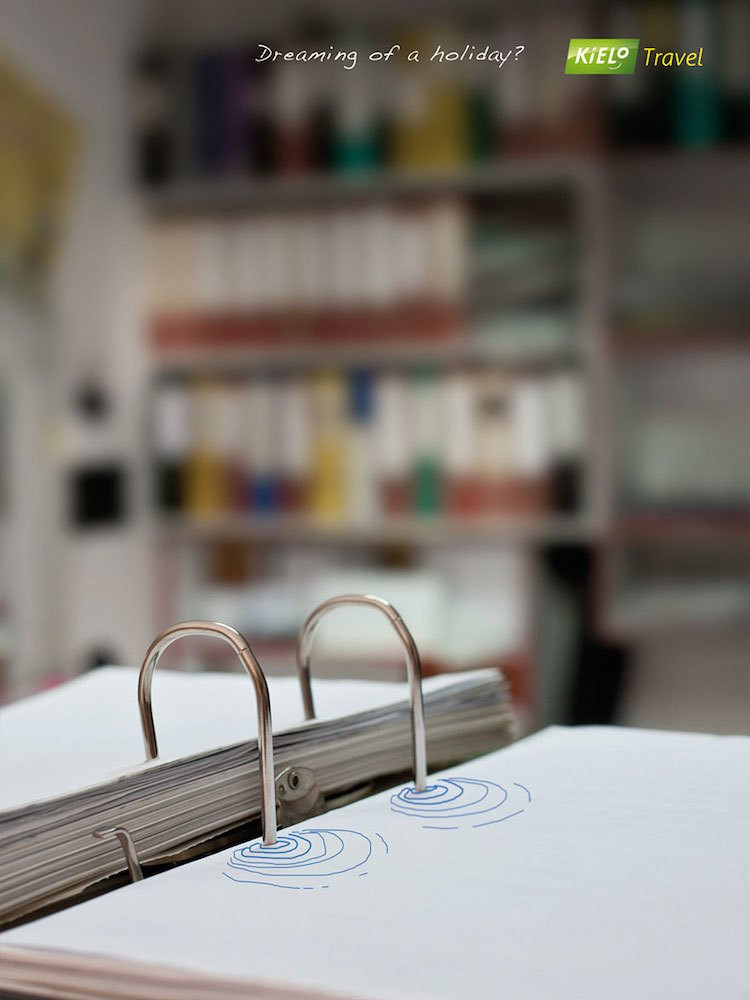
472 337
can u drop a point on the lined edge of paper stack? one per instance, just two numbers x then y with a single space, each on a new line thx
49 851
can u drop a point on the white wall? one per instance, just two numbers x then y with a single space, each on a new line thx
79 51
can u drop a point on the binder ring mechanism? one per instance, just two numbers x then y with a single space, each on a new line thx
413 669
249 661
128 848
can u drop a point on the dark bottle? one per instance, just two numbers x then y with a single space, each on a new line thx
153 106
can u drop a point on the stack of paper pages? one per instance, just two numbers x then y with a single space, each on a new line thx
578 864
73 762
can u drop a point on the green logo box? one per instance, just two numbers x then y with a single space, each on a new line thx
602 56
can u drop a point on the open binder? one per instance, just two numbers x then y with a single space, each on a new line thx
94 813
575 863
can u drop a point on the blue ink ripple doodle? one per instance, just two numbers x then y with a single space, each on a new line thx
305 859
452 803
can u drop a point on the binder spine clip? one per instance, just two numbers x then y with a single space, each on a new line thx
298 796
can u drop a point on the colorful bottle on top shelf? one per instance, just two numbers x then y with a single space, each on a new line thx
697 97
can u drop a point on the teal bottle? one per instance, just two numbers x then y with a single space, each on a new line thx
698 106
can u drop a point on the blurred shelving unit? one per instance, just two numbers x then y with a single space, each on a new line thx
498 214
389 531
187 361
677 556
637 164
192 198
191 541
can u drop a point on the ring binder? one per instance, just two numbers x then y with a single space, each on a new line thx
249 661
128 848
413 669
205 784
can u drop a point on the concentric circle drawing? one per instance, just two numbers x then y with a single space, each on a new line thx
305 859
452 803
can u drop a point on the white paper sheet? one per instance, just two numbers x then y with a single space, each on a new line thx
617 865
88 731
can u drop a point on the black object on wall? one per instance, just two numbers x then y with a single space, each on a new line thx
97 496
97 478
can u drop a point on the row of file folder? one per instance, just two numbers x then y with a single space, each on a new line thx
364 446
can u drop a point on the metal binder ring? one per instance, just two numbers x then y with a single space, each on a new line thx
128 849
413 669
249 662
